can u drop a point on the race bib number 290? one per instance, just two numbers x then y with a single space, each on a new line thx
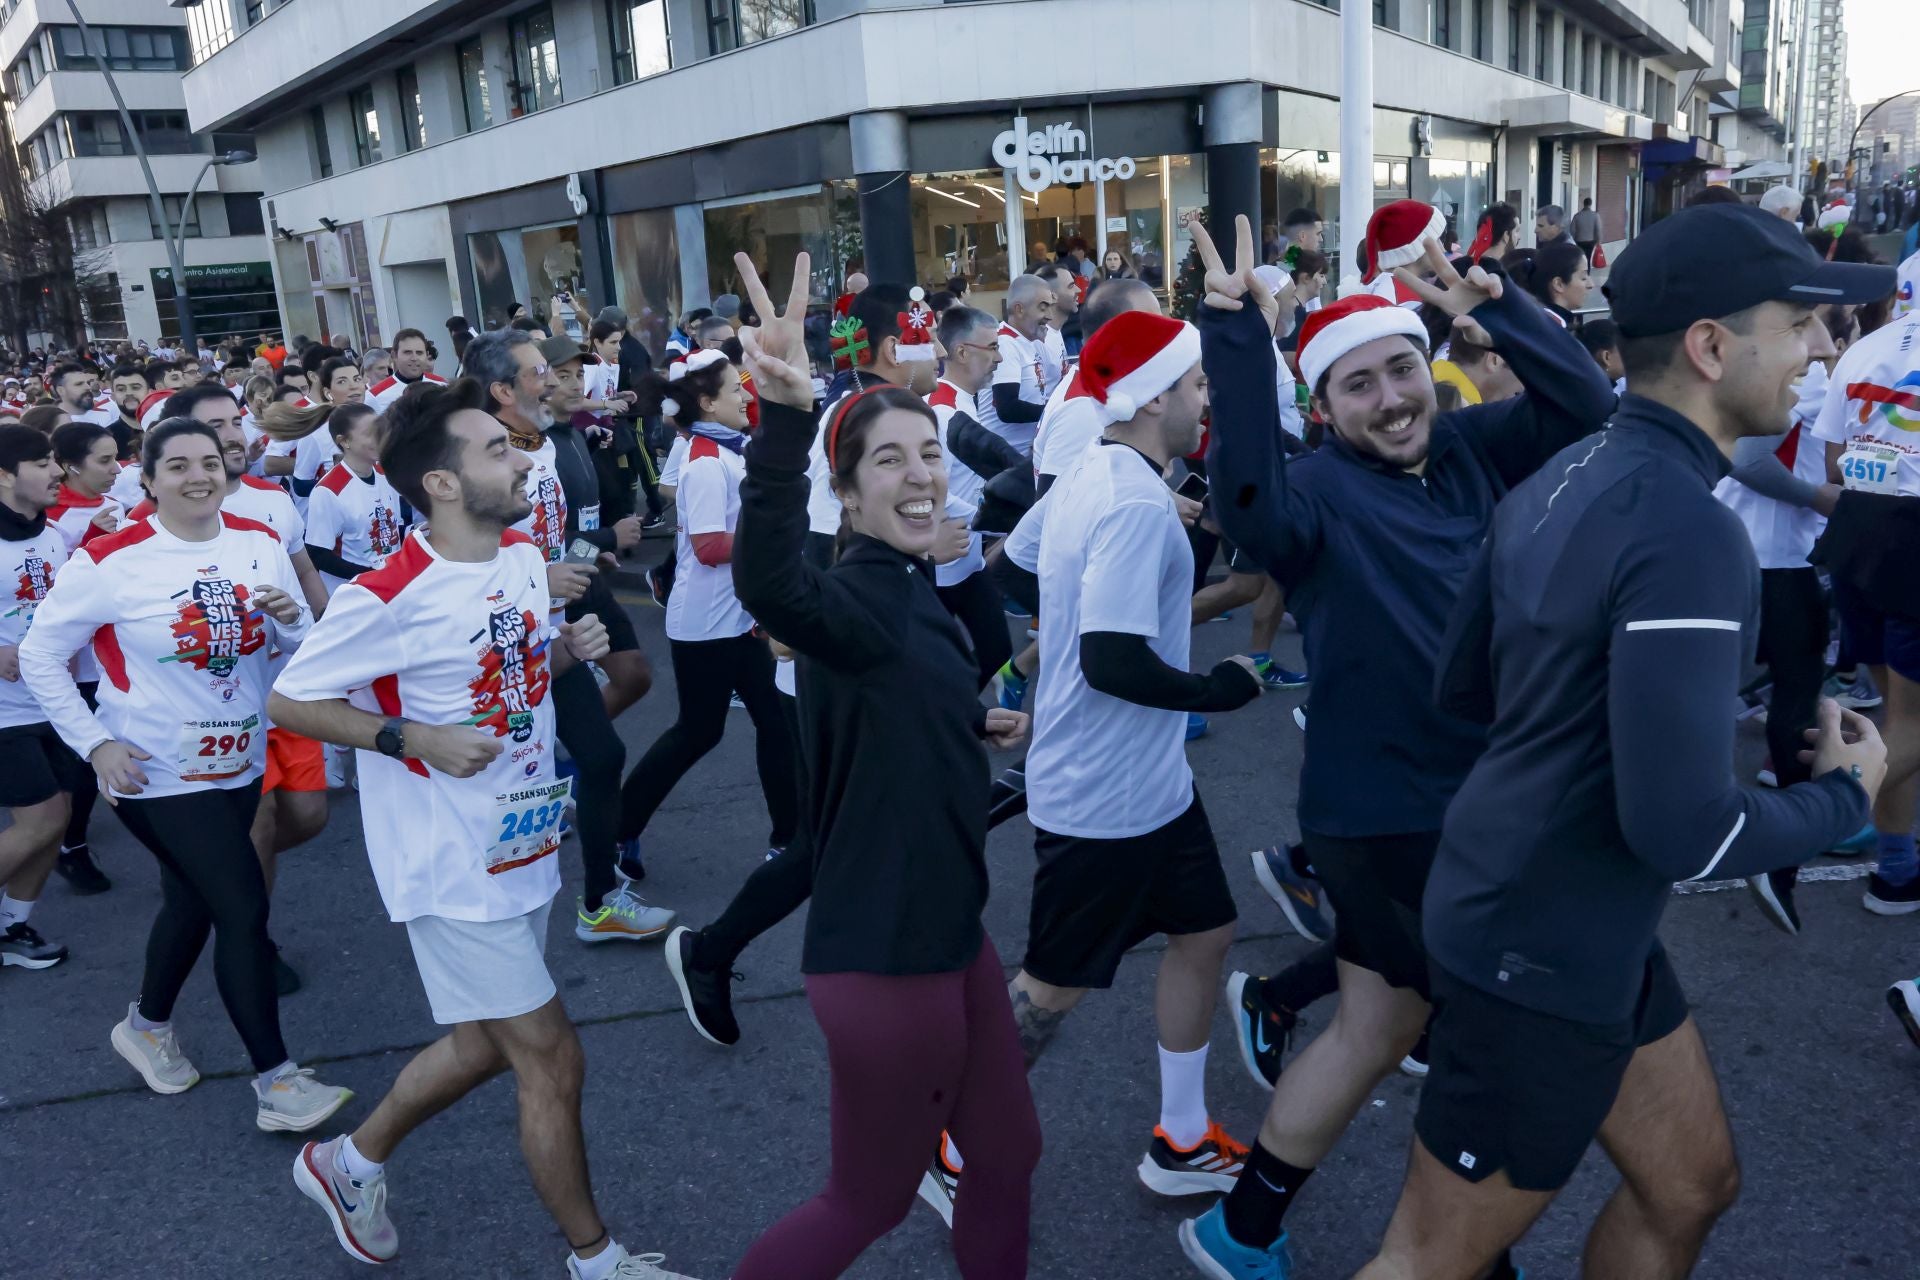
526 824
214 749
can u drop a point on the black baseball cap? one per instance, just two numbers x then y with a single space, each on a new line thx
1712 260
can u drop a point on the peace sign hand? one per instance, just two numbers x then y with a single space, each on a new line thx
1225 289
776 351
1447 290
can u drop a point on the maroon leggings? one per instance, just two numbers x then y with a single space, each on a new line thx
911 1056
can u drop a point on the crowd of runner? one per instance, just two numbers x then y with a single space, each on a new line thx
1532 562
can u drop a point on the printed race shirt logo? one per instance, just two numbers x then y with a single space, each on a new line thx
215 628
1898 405
30 587
549 516
384 533
513 675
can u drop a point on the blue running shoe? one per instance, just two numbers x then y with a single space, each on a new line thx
1216 1254
1010 687
1862 841
626 860
1196 725
1274 676
1297 896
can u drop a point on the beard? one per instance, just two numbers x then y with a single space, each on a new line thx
505 507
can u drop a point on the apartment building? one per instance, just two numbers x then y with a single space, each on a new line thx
75 158
423 159
1828 112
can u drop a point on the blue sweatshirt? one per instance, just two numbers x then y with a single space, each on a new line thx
1606 629
1372 557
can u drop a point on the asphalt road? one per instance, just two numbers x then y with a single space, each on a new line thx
695 1149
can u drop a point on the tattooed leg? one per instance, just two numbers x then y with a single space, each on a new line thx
1038 1010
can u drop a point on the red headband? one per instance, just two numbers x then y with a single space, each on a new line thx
840 416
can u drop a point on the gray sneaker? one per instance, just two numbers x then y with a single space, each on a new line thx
154 1054
634 1266
295 1102
22 946
623 914
357 1210
1857 694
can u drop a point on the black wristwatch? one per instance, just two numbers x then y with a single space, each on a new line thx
390 740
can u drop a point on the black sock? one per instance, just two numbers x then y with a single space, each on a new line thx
1260 1197
1504 1268
1306 980
1297 858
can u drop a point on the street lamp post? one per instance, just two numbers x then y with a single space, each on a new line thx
175 251
1854 139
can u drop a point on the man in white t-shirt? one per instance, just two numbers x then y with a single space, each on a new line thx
73 387
1010 406
437 667
1122 842
411 365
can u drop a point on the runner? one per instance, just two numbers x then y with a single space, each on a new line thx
1615 592
518 384
902 978
182 608
354 518
302 451
1370 535
437 669
38 774
412 364
1010 407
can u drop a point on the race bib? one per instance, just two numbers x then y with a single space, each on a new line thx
215 749
1870 468
526 824
590 517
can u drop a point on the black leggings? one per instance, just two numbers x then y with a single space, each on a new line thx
976 602
580 721
85 789
210 879
1793 644
776 889
705 673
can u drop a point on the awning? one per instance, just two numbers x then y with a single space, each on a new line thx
1763 169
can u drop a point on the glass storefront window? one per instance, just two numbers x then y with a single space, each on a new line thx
1457 188
531 266
824 221
646 264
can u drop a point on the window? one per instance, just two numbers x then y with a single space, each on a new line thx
1586 64
209 29
243 214
1443 23
366 126
1606 73
733 23
165 133
1569 51
88 226
122 48
1482 29
474 95
638 31
1513 38
322 153
173 218
413 118
535 85
1646 95
225 142
1539 48
96 133
1379 13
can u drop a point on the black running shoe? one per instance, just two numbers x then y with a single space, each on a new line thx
1415 1063
286 979
1774 892
1904 999
706 993
658 586
22 946
1885 899
77 867
1262 1029
1007 797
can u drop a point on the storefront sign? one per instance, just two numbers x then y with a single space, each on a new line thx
1042 157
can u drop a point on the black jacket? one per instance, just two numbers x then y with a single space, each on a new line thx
890 725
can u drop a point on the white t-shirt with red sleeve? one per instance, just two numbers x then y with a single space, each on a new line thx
27 570
703 606
383 394
546 524
183 653
1020 364
73 513
356 517
448 642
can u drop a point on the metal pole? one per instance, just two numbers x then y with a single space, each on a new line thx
1356 136
188 338
186 210
1796 154
1852 138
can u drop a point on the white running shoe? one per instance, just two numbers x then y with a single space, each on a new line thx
155 1055
357 1210
634 1266
295 1102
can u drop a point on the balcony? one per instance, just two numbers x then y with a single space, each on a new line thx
1648 28
1572 114
87 91
94 177
30 15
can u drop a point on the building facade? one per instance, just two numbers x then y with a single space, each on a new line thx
422 160
76 160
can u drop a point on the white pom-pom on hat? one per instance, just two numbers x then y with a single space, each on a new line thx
1134 358
1121 406
670 407
917 294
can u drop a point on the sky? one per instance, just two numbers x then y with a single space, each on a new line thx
1880 47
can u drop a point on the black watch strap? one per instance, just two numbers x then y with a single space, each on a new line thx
391 738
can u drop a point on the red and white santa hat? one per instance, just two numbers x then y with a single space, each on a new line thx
916 328
150 407
1397 235
1346 325
1135 357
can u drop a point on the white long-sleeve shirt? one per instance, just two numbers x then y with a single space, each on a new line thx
183 655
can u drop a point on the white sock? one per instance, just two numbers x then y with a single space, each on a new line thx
13 911
140 1023
1183 1096
264 1081
601 1264
350 1163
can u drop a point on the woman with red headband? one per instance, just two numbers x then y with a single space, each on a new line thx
902 978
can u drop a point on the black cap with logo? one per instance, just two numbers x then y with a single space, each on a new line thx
1712 260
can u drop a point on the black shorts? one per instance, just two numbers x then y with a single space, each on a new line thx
599 600
1375 884
1093 900
36 766
1512 1088
1239 561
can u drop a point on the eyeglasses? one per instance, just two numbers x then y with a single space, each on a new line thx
958 347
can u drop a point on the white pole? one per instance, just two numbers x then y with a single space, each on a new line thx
1016 228
1356 135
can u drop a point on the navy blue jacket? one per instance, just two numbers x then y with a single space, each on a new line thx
1607 627
1372 557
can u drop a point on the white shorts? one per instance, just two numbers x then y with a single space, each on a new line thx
482 970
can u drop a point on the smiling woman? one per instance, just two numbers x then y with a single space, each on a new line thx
888 471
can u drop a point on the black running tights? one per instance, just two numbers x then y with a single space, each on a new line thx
580 721
85 791
210 880
705 674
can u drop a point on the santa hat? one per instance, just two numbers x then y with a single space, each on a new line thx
1351 323
1397 235
1135 357
149 413
1393 290
1482 237
1835 215
916 328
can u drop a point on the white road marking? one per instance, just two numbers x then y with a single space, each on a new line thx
1843 871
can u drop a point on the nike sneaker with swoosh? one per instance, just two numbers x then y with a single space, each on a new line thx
1210 1165
357 1210
1297 896
1264 1031
1218 1256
